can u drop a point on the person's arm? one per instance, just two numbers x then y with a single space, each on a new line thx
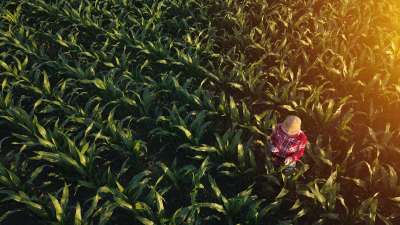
274 137
300 152
274 140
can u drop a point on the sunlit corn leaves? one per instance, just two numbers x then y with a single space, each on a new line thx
152 112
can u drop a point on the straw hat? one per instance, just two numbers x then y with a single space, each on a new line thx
292 125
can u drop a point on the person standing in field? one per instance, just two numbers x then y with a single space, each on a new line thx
288 143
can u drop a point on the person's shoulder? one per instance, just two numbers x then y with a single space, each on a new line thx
277 128
302 136
278 125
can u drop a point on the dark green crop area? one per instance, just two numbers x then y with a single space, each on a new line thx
148 112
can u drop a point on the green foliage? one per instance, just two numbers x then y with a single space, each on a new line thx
152 112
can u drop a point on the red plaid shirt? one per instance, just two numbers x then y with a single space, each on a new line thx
288 145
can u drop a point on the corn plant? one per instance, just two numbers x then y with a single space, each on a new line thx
147 112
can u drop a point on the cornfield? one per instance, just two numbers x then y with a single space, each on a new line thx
149 111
